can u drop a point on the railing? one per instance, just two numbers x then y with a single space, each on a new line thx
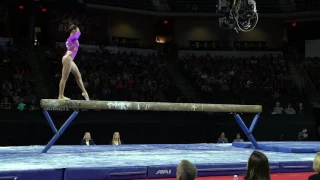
306 83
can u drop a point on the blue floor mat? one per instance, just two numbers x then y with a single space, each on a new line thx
138 161
288 147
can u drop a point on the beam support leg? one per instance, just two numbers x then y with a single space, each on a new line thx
54 129
49 119
248 132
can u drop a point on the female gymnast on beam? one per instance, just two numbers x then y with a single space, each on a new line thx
69 66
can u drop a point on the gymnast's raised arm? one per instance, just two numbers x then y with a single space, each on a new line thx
75 35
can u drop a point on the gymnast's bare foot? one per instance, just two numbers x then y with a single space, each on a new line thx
63 98
86 96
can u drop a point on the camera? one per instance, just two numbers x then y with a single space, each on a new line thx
240 15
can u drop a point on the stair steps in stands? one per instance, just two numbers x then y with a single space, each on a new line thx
295 77
182 83
304 81
40 88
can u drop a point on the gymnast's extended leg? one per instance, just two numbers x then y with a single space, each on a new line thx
66 68
75 71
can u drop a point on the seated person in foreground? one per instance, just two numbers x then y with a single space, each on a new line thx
238 138
278 109
87 139
222 138
116 139
316 167
303 135
5 104
257 167
289 110
186 171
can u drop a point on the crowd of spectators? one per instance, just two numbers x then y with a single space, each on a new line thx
297 109
125 76
311 67
263 80
16 82
128 76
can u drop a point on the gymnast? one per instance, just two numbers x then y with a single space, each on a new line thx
69 66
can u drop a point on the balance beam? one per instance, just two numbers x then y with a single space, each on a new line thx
149 106
48 104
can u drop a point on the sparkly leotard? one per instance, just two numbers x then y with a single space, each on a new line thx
72 44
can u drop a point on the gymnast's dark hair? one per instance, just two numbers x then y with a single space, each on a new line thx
72 27
258 167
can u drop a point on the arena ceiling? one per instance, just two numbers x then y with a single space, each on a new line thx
285 9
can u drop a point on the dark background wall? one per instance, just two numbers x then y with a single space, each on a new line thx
97 24
31 128
303 31
270 30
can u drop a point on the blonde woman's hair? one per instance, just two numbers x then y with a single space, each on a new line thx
84 137
316 164
113 138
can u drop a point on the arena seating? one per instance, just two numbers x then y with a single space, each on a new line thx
264 80
312 69
121 76
16 81
141 79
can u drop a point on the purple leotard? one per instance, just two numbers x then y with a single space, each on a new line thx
72 44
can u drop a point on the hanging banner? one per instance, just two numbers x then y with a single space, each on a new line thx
139 51
86 47
93 26
86 22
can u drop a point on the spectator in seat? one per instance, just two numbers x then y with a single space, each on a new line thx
87 140
257 167
21 105
290 110
6 85
238 138
186 171
277 109
15 97
28 98
116 139
5 104
303 135
32 106
281 137
316 167
222 138
301 109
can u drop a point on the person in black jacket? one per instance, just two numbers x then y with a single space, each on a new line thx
316 167
87 140
303 135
